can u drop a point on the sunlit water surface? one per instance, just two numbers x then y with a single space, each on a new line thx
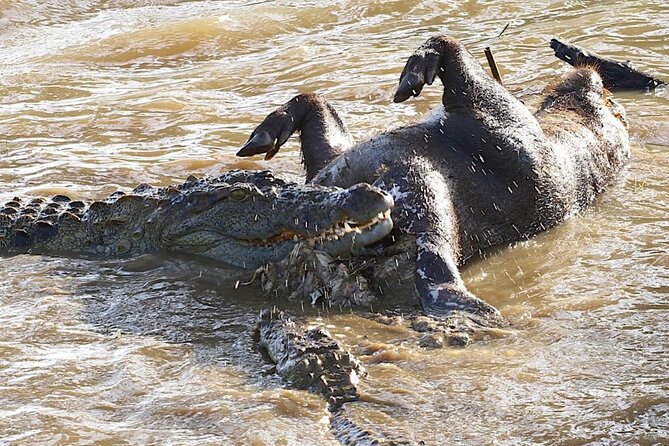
98 95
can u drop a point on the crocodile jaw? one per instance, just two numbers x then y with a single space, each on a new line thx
338 240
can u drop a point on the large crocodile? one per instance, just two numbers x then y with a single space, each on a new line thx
244 218
481 170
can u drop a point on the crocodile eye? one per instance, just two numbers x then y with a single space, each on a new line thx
238 194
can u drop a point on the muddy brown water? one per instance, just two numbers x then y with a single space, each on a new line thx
99 95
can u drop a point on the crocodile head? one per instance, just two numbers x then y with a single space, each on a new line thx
250 218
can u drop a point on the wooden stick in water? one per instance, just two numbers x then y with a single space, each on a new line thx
493 65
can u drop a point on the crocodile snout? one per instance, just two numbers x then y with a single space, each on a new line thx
364 202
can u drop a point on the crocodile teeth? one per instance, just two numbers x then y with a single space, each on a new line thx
334 233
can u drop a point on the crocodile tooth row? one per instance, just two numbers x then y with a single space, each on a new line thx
334 233
346 227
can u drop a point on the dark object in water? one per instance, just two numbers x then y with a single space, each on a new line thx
616 75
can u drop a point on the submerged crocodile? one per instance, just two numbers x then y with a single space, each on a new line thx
244 218
479 171
310 359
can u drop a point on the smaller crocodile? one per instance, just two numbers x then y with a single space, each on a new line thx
310 359
244 218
